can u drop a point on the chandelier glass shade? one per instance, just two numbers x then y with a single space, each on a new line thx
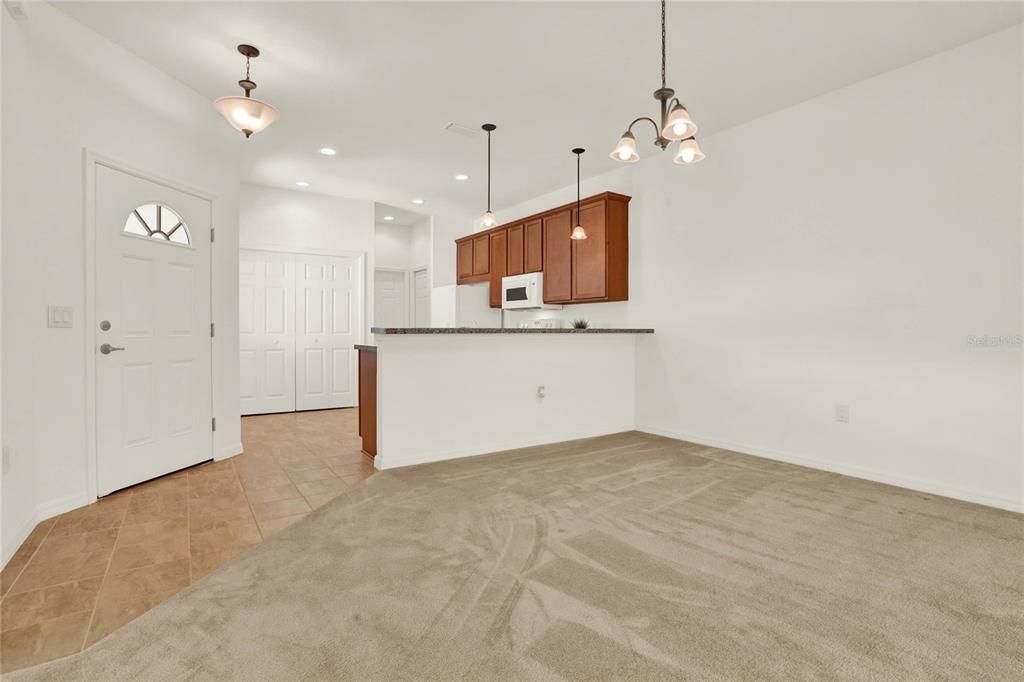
246 114
689 152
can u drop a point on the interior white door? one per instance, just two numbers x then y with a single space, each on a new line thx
390 299
421 298
328 297
152 341
266 321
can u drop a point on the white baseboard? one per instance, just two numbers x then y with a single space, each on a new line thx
46 511
920 485
227 451
382 462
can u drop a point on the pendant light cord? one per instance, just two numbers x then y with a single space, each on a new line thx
662 44
578 188
488 170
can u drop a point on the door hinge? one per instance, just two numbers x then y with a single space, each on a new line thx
211 330
211 235
213 423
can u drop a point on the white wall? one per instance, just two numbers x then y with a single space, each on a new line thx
66 89
420 245
393 246
444 396
842 251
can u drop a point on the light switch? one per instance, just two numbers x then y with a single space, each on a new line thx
59 316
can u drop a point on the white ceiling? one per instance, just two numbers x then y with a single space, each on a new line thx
378 81
399 216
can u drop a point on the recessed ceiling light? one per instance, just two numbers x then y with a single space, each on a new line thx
417 201
462 176
302 183
389 217
327 151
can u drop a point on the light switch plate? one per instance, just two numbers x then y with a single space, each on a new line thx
59 316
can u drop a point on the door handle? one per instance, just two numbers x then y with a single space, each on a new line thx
107 349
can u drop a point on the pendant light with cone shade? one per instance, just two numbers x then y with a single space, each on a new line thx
578 233
488 219
246 114
676 123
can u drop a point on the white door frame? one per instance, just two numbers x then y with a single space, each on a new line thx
90 160
360 257
406 286
412 290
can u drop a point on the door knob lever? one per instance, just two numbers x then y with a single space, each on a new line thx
107 349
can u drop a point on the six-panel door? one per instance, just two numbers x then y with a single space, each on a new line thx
266 325
327 292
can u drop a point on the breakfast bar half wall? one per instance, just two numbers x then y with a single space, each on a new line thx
444 393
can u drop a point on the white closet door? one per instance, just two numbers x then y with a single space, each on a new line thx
327 301
266 320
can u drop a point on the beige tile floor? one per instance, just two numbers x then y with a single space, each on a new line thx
83 574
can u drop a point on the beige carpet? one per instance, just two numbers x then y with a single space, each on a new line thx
629 557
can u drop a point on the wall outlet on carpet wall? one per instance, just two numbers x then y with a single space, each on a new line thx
842 413
540 394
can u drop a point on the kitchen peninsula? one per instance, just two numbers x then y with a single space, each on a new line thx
444 393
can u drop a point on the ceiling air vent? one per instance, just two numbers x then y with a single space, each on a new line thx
459 129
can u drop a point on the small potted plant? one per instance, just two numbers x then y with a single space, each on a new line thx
580 324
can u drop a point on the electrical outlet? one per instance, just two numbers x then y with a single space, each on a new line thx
540 394
842 413
6 460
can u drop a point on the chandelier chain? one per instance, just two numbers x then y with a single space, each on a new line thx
663 44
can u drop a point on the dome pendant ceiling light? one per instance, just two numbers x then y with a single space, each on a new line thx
488 219
676 123
578 233
246 114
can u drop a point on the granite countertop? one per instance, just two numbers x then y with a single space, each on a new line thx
499 330
360 346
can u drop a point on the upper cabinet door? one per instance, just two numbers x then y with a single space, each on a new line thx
465 259
533 249
557 257
589 256
498 253
515 250
481 255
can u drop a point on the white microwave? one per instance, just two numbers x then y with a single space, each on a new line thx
524 292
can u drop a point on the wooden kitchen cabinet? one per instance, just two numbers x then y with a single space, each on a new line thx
481 255
465 260
586 271
558 257
473 258
516 251
368 398
589 256
533 245
498 250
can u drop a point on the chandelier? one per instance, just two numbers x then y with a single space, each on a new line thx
246 114
676 123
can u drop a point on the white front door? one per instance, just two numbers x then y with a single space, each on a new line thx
421 298
152 336
266 321
328 299
390 299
